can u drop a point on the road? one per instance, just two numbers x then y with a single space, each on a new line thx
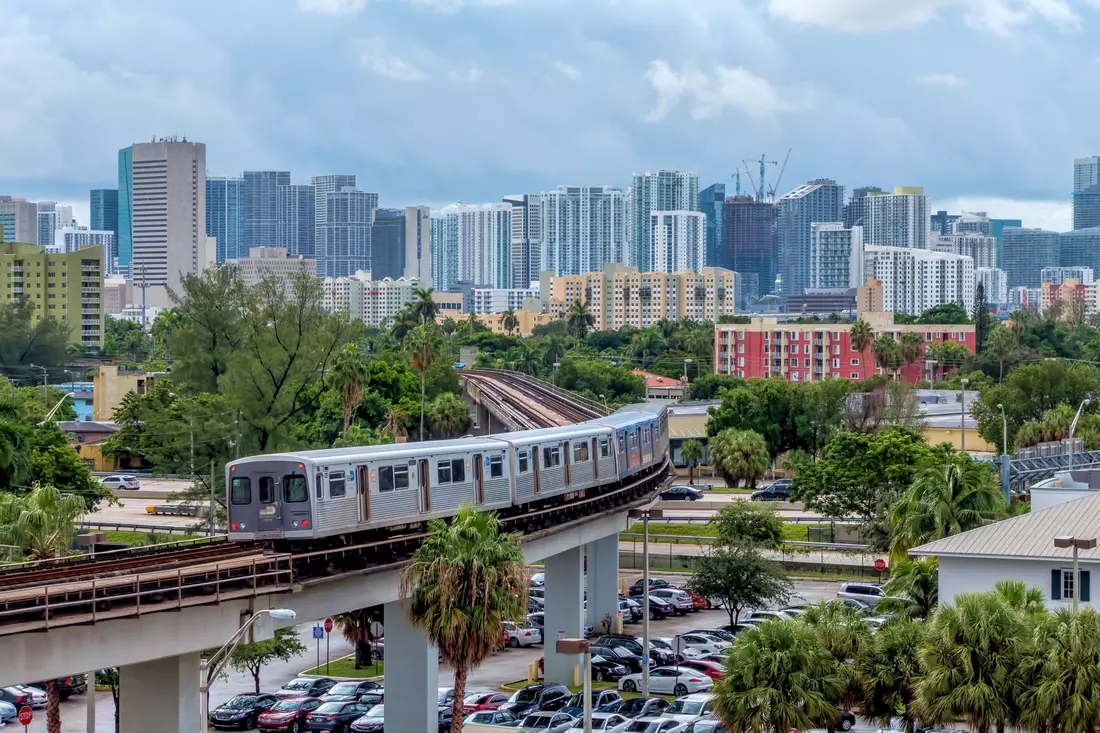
507 665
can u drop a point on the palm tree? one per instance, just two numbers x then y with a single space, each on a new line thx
403 323
449 326
912 347
424 349
423 306
648 343
887 354
15 445
843 632
1064 692
739 455
527 361
448 415
913 588
889 667
1027 599
970 657
355 628
553 352
396 421
463 582
1001 345
351 372
861 337
691 451
946 499
508 321
778 677
578 322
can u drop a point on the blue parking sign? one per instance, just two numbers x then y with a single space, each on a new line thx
318 632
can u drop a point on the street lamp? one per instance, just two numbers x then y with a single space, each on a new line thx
1073 427
686 362
554 378
646 611
603 399
1004 423
962 414
1077 543
581 646
72 381
211 667
45 399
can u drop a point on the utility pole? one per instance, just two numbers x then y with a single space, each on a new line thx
141 267
45 388
211 498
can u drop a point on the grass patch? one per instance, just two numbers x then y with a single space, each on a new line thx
678 530
796 532
145 538
345 667
808 575
726 490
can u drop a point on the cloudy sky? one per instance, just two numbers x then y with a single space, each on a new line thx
983 102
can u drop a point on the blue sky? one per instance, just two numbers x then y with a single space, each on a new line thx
983 102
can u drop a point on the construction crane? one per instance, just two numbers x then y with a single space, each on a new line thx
737 181
763 162
773 189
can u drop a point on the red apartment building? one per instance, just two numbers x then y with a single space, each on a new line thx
811 352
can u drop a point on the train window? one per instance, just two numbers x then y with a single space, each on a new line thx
295 489
580 452
605 448
319 484
496 466
242 491
458 471
393 478
444 472
337 486
551 457
400 477
524 461
267 490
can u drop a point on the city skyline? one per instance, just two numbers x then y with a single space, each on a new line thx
599 105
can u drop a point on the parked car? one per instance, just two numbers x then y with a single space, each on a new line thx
681 493
758 616
707 725
289 714
868 593
306 687
374 697
479 700
38 695
772 493
737 628
631 610
680 600
662 651
126 482
698 603
7 712
607 722
373 721
546 721
446 712
603 701
522 634
446 696
538 580
636 588
633 644
537 696
710 668
492 717
16 696
241 712
336 716
690 708
349 691
74 684
702 643
604 669
660 608
653 725
720 633
643 707
857 605
669 681
620 655
719 658
847 720
535 605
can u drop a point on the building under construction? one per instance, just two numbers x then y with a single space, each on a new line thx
749 245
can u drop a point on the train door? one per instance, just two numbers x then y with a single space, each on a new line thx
362 483
479 480
271 510
425 486
537 465
594 452
566 461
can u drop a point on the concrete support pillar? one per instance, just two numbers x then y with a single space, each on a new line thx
564 611
412 674
90 694
161 695
603 582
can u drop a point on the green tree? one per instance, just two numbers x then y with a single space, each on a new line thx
55 463
1021 597
748 523
125 338
403 323
448 415
1064 695
913 589
350 373
710 386
209 328
946 314
944 500
508 321
983 322
22 342
424 349
15 445
354 626
691 451
252 658
765 406
862 336
1055 426
423 307
579 320
463 582
778 677
739 455
887 354
647 345
912 348
739 577
844 633
889 667
42 522
397 420
1000 345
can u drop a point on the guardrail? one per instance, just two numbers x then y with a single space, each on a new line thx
693 540
791 520
152 528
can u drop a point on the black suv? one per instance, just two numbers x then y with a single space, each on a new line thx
538 696
654 584
775 492
634 645
241 711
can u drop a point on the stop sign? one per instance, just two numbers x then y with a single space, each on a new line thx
328 625
880 564
25 715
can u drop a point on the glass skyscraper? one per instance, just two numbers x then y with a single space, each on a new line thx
224 219
820 200
387 244
712 201
260 218
104 216
1027 251
343 238
660 191
124 240
295 211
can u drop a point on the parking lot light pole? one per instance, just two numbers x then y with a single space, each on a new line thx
581 646
1077 543
1073 428
646 610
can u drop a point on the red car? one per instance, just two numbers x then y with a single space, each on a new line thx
710 669
289 714
483 700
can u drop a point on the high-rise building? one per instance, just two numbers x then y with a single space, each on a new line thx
997 230
296 220
104 217
418 245
481 237
981 248
583 228
995 282
273 263
712 202
65 287
163 198
1025 252
1080 248
1086 172
19 220
498 300
1074 299
749 246
898 219
70 239
374 302
836 256
387 244
224 216
526 237
1086 207
820 200
260 208
1058 275
51 218
940 223
661 191
679 240
343 237
444 251
914 280
324 185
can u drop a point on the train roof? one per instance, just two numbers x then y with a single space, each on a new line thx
564 431
390 450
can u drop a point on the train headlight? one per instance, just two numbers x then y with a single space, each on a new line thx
295 522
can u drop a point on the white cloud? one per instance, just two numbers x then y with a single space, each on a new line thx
332 7
470 77
567 69
872 16
375 60
943 80
1056 216
453 6
708 97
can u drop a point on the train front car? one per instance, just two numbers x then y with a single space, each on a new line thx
269 498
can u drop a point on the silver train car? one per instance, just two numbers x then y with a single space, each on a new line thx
311 495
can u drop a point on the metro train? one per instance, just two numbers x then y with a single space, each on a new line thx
303 496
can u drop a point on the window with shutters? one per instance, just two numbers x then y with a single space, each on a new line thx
1067 585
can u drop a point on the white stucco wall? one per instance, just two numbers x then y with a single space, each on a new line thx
974 575
1046 497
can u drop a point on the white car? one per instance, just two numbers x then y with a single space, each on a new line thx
121 481
758 616
546 721
702 643
608 722
670 645
680 599
677 681
691 708
521 635
490 717
653 725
